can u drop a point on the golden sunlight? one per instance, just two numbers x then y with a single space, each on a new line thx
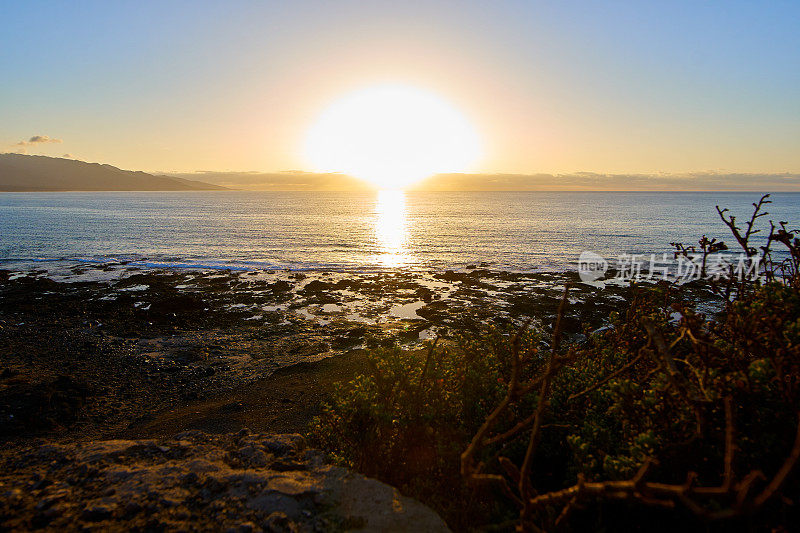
392 136
391 228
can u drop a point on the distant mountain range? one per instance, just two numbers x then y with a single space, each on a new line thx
20 173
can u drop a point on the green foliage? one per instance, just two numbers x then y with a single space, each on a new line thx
407 418
642 414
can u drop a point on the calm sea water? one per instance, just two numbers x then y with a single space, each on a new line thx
361 231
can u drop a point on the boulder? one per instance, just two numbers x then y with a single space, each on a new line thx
232 482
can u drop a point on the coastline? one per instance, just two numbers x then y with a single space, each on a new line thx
124 348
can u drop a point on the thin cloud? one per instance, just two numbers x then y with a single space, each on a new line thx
39 139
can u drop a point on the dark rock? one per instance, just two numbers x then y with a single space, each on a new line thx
278 522
180 303
317 286
97 512
280 286
142 485
283 465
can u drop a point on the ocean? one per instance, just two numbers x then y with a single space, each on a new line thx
528 231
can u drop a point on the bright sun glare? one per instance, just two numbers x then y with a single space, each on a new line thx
392 136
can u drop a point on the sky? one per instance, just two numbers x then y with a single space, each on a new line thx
550 87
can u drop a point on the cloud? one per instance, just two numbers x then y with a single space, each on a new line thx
39 139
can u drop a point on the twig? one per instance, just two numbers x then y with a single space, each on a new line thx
730 445
608 378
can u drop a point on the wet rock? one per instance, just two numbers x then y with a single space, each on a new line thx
317 286
425 294
466 278
438 312
180 303
280 287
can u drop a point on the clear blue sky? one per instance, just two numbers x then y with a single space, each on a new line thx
552 86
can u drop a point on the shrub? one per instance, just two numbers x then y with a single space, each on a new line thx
407 418
669 412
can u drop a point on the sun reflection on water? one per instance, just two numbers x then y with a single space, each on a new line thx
391 228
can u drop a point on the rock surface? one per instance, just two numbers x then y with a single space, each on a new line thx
95 351
235 482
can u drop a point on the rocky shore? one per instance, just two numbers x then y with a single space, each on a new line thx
101 351
94 358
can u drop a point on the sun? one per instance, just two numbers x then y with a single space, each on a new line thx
392 136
